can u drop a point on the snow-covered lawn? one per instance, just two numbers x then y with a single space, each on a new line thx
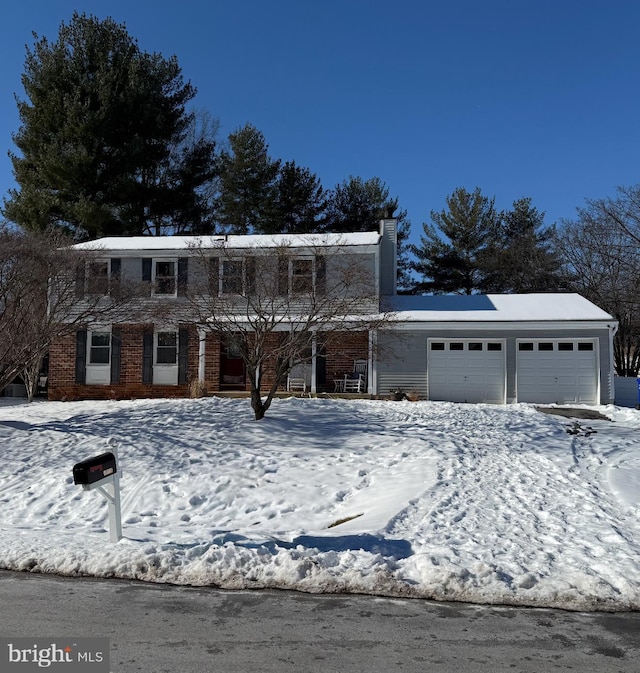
479 503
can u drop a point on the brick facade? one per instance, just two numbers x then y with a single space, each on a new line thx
341 351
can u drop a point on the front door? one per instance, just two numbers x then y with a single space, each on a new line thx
232 370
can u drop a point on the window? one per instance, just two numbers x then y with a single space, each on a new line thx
98 278
545 346
475 346
166 348
456 346
301 276
164 277
437 346
525 346
565 346
494 346
585 346
99 348
232 276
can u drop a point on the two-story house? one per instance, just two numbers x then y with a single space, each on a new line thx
188 298
541 348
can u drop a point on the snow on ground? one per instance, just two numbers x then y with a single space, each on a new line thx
480 503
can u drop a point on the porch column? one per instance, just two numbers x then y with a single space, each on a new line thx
202 336
372 374
314 350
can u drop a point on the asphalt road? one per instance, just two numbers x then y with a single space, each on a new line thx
155 628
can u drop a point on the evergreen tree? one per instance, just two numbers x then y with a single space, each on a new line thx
99 117
521 257
300 201
247 183
453 264
359 205
187 183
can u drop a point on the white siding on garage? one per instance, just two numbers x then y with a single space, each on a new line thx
564 371
460 370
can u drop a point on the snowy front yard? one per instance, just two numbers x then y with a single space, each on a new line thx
479 503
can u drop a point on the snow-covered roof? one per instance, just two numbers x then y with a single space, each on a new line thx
133 243
495 308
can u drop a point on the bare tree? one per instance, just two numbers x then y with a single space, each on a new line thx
275 305
600 250
43 298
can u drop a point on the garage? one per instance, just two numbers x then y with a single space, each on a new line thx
466 370
564 371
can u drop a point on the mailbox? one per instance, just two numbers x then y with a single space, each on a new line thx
94 469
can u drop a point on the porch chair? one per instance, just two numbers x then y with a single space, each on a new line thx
299 378
296 384
356 381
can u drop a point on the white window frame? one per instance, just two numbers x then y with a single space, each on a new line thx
98 373
88 276
221 276
292 275
165 373
154 277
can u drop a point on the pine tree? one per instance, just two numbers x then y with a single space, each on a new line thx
99 117
521 257
247 183
300 201
453 264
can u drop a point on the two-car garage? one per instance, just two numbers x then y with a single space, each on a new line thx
562 371
550 348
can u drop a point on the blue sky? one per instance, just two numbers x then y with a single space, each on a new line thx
536 98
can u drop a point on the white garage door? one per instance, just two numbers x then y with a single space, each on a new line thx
461 370
557 371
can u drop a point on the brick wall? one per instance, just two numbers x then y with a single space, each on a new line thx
341 350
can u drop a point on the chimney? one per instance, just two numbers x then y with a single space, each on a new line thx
388 255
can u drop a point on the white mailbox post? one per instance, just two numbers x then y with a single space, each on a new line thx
101 473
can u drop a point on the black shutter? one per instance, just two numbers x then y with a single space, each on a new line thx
214 276
321 366
147 357
183 265
321 275
80 270
283 276
116 348
250 271
183 354
115 268
81 356
146 270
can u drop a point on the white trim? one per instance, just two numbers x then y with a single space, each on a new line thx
165 373
98 373
502 326
202 341
221 276
88 276
154 262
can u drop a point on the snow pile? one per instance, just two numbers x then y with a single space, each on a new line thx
489 504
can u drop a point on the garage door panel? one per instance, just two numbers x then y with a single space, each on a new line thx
466 371
563 375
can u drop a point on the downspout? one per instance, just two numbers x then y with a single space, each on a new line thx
613 329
